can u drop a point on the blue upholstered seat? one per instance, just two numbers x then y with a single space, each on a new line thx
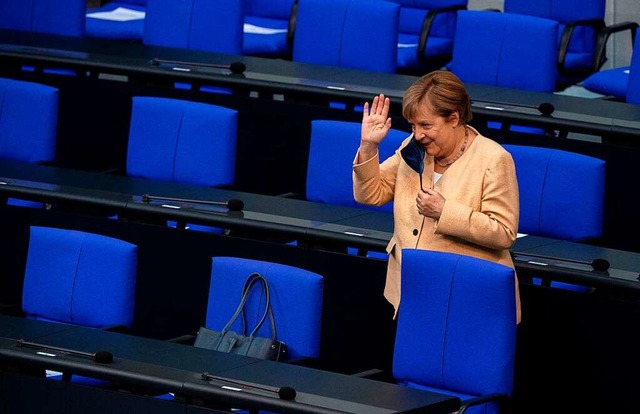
44 16
28 125
183 142
506 50
28 121
79 278
561 192
296 301
266 28
618 83
426 33
207 25
357 34
582 35
54 17
611 83
561 196
126 29
456 330
332 150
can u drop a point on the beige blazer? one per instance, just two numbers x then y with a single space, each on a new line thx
480 215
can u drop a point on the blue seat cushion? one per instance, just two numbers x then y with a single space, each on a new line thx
109 29
265 44
611 82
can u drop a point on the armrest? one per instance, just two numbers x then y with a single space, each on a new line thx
425 31
294 195
291 28
501 399
597 24
603 38
376 375
187 339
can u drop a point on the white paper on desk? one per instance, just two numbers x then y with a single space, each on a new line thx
253 29
520 235
120 14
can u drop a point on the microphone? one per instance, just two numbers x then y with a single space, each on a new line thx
284 393
599 264
237 68
545 108
102 357
233 205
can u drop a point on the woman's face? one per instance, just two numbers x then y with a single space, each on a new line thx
434 132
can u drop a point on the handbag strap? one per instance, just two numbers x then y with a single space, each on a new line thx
267 308
246 289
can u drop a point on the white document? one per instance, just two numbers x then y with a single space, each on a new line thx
253 29
120 14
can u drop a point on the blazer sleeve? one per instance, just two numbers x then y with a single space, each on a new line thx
374 183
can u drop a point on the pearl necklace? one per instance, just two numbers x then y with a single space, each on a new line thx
454 159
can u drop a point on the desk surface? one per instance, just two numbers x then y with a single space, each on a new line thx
308 221
613 120
261 213
179 368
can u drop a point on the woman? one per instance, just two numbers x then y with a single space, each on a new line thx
466 199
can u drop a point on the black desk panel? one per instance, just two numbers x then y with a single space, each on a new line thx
266 217
262 215
615 121
354 308
144 364
574 263
273 135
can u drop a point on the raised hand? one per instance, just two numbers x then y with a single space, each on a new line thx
375 122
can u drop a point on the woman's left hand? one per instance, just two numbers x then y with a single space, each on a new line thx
430 203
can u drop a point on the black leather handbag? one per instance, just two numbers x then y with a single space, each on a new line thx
240 343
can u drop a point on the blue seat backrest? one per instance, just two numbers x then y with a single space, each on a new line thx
274 9
79 278
506 50
182 141
357 34
296 301
115 29
44 16
456 324
413 12
565 11
561 193
633 87
207 25
28 121
331 153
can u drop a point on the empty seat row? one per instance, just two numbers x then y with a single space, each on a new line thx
383 35
195 143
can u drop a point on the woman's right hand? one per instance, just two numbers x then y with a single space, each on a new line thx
375 122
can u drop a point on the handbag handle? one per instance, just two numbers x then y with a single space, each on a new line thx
267 294
246 289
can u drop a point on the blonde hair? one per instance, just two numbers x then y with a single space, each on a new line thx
442 91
